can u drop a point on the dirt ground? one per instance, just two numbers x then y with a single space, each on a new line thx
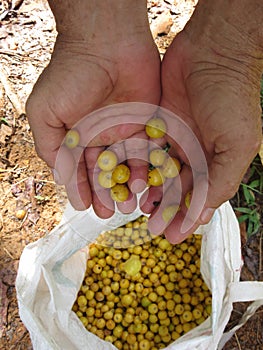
29 202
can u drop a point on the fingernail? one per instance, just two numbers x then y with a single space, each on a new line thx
56 176
155 227
206 215
137 186
186 225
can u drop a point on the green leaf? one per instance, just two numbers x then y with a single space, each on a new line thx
243 218
244 210
4 120
254 218
167 147
249 228
248 194
254 184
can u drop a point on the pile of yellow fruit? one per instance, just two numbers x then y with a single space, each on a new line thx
140 291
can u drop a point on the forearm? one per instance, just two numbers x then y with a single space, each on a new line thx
86 19
230 28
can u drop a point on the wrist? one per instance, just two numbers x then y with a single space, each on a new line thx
100 21
230 32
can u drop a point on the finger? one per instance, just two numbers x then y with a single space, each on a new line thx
174 195
116 122
137 159
184 141
129 205
101 200
170 202
150 199
64 166
78 188
225 174
158 142
49 134
173 232
188 218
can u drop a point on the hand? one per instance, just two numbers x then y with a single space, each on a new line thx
211 79
103 67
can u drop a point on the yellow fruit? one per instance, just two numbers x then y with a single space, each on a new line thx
117 332
132 266
155 177
187 316
82 301
146 296
84 320
121 174
153 308
197 314
155 128
20 214
119 193
105 179
169 212
145 344
157 157
93 251
171 168
127 300
72 139
107 160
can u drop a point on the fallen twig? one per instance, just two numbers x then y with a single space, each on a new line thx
238 344
10 92
9 254
20 55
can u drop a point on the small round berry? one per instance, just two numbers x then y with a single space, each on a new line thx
119 193
155 128
121 174
72 139
169 212
157 157
107 160
105 179
155 177
171 167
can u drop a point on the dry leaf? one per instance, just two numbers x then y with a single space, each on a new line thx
5 130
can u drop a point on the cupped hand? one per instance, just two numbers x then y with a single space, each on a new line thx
79 79
214 88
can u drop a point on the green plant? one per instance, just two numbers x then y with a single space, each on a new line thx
4 121
42 199
249 198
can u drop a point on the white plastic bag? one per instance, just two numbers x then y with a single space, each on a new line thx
51 271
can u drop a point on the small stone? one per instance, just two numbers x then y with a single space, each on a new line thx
162 24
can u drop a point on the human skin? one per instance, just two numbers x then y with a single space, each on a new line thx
211 78
104 54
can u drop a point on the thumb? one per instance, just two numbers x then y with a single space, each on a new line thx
48 137
227 170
